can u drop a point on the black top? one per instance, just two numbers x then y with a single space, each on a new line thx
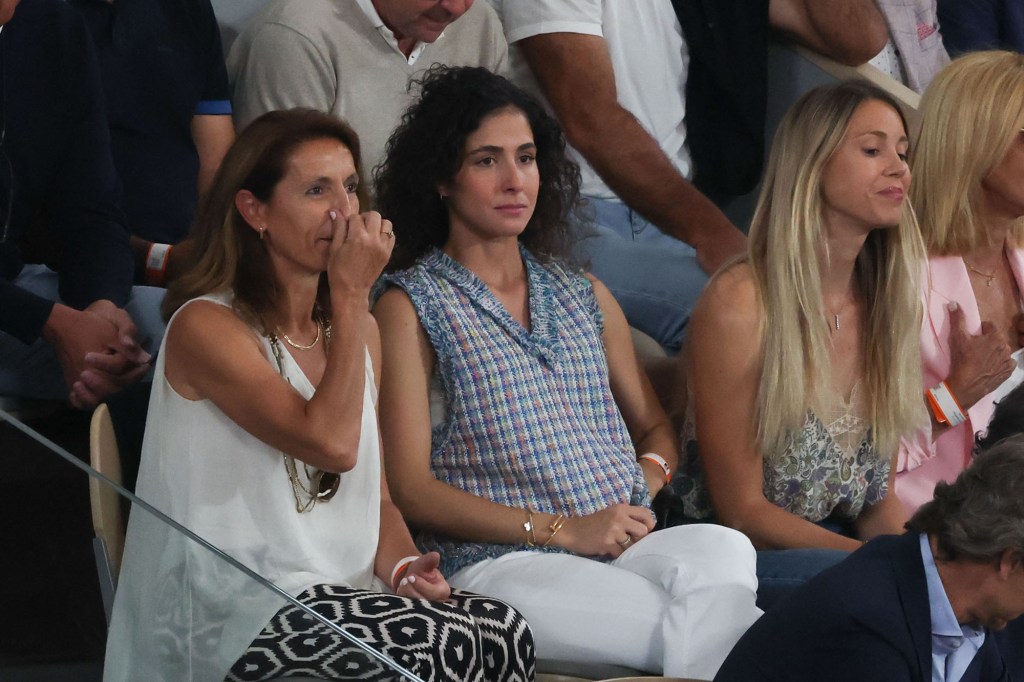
161 63
726 92
58 146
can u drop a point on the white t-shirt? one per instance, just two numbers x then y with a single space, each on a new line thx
647 50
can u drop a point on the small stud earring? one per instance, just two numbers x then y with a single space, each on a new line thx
262 230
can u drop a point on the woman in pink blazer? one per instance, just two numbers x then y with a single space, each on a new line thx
968 192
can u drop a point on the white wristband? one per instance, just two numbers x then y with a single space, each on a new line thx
156 259
659 460
399 565
156 263
947 409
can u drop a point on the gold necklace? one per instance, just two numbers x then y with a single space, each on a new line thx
988 276
323 484
299 346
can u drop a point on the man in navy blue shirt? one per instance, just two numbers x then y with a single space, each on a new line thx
969 25
66 335
167 103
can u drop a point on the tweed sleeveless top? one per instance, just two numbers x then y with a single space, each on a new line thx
530 421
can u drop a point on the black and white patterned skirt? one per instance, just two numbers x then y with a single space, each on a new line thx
467 638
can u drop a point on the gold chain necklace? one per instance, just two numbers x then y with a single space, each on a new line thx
988 276
299 346
323 484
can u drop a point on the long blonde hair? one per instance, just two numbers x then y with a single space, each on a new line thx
971 113
229 254
787 254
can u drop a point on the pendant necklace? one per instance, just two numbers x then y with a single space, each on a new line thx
322 484
834 327
989 276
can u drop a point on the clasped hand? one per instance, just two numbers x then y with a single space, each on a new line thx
608 532
97 349
422 580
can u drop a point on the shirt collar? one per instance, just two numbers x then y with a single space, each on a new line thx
371 13
947 634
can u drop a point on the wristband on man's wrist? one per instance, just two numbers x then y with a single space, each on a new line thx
156 263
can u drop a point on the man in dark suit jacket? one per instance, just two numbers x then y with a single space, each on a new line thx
73 333
904 606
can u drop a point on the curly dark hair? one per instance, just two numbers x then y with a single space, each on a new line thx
1007 420
427 149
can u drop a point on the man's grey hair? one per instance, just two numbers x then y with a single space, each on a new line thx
981 513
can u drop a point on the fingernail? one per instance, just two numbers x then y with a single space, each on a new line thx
145 357
403 581
952 305
412 578
333 214
128 341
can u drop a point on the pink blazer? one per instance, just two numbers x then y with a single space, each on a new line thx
921 462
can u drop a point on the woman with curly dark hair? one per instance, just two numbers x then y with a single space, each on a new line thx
533 476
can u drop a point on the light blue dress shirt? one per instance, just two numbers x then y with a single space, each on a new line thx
953 645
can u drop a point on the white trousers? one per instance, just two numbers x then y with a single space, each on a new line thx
674 603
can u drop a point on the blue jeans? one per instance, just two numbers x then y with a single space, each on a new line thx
780 572
32 371
654 277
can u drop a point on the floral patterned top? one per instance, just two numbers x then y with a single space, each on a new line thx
829 469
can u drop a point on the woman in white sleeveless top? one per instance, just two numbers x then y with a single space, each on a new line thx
262 438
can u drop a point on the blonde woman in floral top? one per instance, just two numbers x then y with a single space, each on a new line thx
802 364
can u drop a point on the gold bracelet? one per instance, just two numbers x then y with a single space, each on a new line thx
555 526
531 538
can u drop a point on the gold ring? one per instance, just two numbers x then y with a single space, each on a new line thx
389 234
627 541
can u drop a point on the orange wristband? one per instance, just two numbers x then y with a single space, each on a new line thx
156 263
399 570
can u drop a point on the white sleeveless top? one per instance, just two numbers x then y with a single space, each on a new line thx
182 613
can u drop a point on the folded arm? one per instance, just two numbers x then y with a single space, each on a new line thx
849 31
576 75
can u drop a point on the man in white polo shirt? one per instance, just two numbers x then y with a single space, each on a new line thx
355 59
614 73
